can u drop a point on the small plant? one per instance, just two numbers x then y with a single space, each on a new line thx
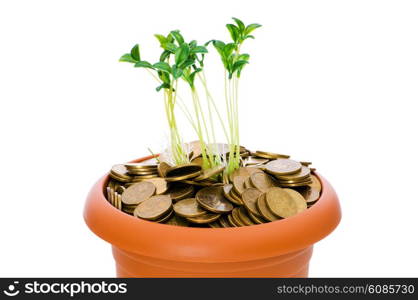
234 61
182 61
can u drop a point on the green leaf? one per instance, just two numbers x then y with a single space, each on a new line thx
169 47
164 55
177 72
199 49
163 86
165 77
187 63
190 78
177 36
240 24
249 36
192 44
219 45
229 48
162 66
162 39
135 53
182 53
250 28
209 42
127 58
143 64
238 65
244 56
170 38
233 31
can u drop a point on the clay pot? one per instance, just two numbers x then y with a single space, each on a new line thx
147 249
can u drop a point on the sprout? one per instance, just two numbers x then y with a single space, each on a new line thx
233 61
184 61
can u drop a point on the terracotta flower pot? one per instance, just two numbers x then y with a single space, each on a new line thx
147 249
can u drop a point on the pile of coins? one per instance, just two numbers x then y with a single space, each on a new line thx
267 187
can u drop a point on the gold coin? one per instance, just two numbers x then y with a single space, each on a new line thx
228 194
244 172
143 173
305 163
200 183
128 208
153 208
303 174
264 210
111 184
236 217
298 199
281 203
209 173
182 169
162 169
188 208
304 180
120 173
212 199
270 155
245 154
310 194
238 198
142 177
109 194
120 179
299 184
118 203
315 183
282 167
120 189
262 181
182 172
204 219
165 217
215 224
251 160
248 184
243 215
223 221
197 161
180 191
177 221
249 198
184 177
138 193
232 221
239 184
256 219
160 185
140 166
112 197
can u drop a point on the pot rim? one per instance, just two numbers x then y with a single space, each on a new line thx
209 245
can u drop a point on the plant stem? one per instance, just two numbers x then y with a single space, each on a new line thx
210 98
205 163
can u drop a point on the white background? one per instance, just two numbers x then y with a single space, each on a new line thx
334 82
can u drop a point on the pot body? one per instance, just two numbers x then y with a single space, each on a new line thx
148 249
294 264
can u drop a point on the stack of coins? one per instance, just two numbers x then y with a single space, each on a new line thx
267 187
289 173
